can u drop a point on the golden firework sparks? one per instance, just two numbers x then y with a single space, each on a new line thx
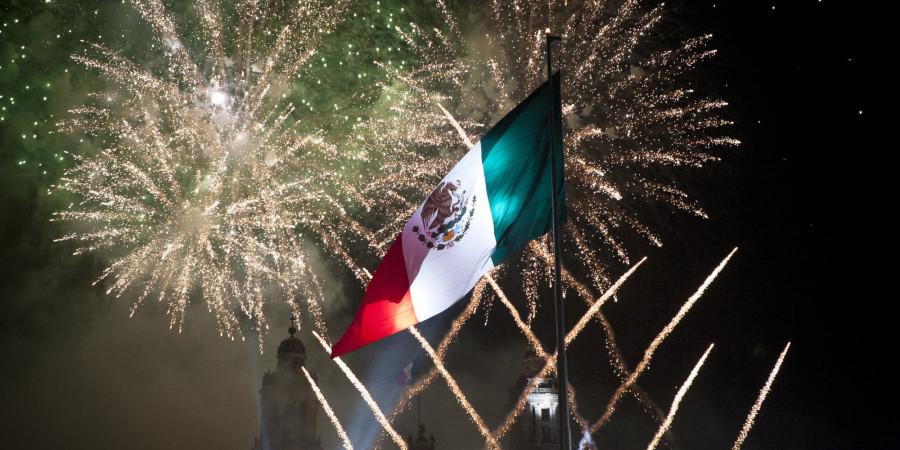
630 117
202 186
457 392
644 364
345 440
677 401
763 393
367 397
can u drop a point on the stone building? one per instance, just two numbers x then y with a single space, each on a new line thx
288 406
538 428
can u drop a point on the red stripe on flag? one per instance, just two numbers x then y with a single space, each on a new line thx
386 307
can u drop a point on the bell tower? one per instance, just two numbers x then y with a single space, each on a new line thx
288 405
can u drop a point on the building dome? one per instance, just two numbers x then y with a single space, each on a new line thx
291 352
288 406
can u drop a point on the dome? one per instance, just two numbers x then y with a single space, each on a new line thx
291 352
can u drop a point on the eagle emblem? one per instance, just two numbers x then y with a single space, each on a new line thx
445 216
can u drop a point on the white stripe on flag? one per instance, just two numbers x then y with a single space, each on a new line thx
439 278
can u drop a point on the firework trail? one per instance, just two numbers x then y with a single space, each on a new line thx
678 396
517 318
745 430
578 418
623 372
654 345
345 440
549 366
457 392
615 355
583 321
203 185
367 397
425 380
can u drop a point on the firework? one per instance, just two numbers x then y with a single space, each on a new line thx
631 119
549 366
457 392
677 401
203 184
364 393
644 364
595 308
517 318
745 430
345 440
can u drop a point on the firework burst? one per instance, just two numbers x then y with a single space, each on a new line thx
203 185
632 119
634 126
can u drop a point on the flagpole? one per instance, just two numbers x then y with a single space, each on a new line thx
565 434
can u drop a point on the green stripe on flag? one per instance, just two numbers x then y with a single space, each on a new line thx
516 165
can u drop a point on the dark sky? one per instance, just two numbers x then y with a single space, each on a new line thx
798 201
795 198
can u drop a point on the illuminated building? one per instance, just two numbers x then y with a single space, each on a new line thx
538 428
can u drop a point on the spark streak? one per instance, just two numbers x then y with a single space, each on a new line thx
455 327
548 368
678 396
523 327
745 430
345 440
586 317
376 410
457 392
651 349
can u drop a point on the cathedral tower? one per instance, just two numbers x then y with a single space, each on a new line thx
288 405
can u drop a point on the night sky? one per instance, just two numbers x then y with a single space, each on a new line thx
796 197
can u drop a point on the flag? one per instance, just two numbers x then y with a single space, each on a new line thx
409 372
405 375
495 200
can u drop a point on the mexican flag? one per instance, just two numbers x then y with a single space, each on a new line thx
495 200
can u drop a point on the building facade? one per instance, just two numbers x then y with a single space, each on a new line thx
538 427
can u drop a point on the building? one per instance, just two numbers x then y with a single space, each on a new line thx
288 406
538 427
421 442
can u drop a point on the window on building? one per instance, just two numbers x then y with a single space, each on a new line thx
545 414
546 437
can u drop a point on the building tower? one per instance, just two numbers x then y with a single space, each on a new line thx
538 428
421 442
288 405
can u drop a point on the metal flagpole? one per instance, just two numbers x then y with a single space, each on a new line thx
565 434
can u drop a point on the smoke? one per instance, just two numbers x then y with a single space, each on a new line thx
100 379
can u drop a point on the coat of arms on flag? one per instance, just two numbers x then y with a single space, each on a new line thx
445 217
